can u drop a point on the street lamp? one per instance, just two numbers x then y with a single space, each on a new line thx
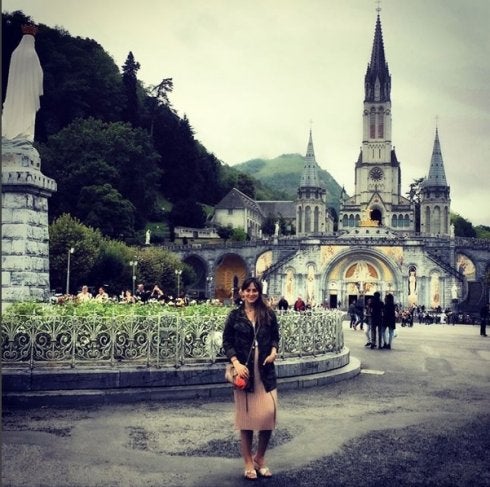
133 264
178 273
209 280
70 251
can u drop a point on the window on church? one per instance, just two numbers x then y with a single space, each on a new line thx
381 127
394 221
372 125
345 221
407 221
351 220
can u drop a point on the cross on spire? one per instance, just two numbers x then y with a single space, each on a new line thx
378 8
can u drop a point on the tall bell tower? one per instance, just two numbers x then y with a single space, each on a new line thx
377 170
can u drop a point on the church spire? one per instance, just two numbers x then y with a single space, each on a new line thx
377 81
309 178
437 175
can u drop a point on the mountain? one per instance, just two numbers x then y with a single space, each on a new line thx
283 173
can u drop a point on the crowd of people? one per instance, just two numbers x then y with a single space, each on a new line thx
126 296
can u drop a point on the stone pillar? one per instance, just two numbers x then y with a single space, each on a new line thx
25 240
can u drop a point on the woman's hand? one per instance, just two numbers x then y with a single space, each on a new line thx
241 370
271 357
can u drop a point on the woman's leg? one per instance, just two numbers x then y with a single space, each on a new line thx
246 439
381 336
264 437
373 335
390 336
368 332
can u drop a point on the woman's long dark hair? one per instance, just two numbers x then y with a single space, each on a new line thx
261 308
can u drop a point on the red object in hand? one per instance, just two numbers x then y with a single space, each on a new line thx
240 383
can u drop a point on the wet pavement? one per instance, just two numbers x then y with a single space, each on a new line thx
436 376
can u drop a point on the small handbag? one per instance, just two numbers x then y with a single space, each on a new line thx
231 375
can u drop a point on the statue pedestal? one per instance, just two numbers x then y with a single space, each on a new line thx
25 239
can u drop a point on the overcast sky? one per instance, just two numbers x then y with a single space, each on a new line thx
252 75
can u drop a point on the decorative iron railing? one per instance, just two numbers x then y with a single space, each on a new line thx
156 340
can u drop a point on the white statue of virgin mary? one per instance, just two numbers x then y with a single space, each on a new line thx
24 87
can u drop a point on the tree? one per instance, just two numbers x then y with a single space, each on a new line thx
111 268
462 227
131 111
246 185
103 207
67 232
93 153
413 195
269 225
483 231
188 213
239 235
158 97
224 232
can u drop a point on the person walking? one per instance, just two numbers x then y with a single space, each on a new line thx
483 320
251 342
389 320
353 316
359 307
376 320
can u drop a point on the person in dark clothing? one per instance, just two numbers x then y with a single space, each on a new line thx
282 304
299 304
141 293
484 320
360 313
251 343
389 319
353 316
376 320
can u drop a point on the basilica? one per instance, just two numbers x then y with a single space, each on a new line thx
382 241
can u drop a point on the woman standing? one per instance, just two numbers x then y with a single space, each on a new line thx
377 320
389 319
251 341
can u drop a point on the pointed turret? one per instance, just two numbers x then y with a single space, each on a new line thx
435 202
378 79
311 214
309 178
437 175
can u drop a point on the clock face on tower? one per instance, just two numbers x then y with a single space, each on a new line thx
376 173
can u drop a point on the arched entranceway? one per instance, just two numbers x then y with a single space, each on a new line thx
197 288
231 271
358 273
376 216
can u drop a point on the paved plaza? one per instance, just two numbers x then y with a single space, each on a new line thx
433 383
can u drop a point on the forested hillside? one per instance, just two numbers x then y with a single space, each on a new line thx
120 154
283 173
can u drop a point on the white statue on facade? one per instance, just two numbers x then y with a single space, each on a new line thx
24 88
265 286
276 229
454 291
147 238
310 284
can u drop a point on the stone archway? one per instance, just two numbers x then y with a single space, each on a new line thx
357 273
197 288
231 271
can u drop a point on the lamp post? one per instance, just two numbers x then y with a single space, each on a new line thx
70 251
133 264
178 273
209 280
